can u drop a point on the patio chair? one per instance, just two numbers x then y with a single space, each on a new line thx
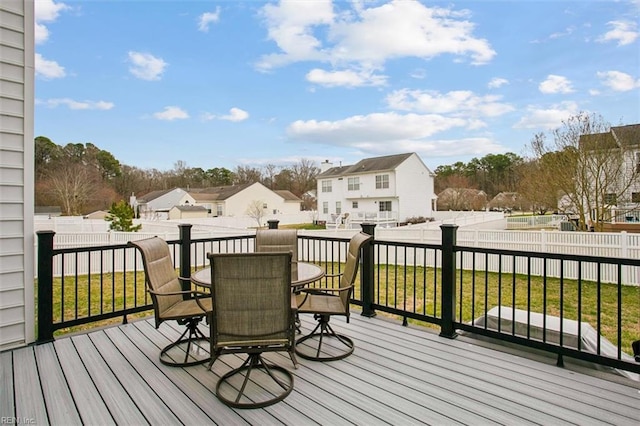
253 313
170 302
323 343
283 240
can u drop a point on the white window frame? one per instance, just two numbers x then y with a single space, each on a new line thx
382 181
325 207
353 184
385 203
354 204
338 207
326 186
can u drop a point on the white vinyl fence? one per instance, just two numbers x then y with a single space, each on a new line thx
612 245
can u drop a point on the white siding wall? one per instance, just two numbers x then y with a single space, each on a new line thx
16 173
414 186
237 204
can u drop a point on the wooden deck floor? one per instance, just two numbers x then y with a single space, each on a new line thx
397 375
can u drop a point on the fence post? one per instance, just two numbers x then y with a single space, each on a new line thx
367 268
448 301
185 255
45 286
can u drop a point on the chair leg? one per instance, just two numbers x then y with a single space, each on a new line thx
190 336
256 399
326 333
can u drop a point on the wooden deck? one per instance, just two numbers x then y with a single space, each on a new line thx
397 375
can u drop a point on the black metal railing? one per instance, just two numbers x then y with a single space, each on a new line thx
452 287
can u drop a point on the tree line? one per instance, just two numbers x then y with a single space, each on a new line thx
82 178
590 175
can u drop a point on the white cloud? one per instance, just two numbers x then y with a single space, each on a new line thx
235 115
547 119
48 69
383 128
46 11
555 84
347 78
388 133
146 66
77 105
624 32
368 37
618 81
458 103
171 113
497 82
208 18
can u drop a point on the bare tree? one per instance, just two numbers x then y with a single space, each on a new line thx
255 210
304 175
588 166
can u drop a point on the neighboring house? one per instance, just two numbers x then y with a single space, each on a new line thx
50 211
506 201
462 199
626 138
187 212
17 241
98 214
235 200
156 204
387 189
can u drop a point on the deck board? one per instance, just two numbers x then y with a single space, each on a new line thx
91 407
396 375
61 406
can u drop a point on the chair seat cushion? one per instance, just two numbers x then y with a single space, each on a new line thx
321 304
187 308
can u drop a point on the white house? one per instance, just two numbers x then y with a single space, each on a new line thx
156 204
187 212
17 170
387 189
236 200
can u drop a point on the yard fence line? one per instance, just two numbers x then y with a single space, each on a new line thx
608 245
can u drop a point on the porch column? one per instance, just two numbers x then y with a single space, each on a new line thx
367 269
45 286
448 301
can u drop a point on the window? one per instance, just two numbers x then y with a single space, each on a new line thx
353 184
635 197
384 206
325 207
218 209
382 181
264 206
354 205
338 207
610 198
326 186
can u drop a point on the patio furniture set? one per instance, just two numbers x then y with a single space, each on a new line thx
251 303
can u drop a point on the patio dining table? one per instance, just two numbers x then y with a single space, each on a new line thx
307 273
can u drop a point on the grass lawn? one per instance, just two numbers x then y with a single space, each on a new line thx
394 287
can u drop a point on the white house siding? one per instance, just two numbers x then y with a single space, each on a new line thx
237 204
410 191
414 186
16 173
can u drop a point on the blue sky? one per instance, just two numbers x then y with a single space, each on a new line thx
251 83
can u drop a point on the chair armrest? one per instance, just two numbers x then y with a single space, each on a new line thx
311 290
332 275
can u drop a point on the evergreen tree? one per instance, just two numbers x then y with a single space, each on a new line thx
121 218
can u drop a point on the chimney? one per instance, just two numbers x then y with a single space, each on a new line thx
325 165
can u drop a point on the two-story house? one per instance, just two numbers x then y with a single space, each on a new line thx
387 189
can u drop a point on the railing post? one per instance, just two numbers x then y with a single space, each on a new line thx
273 223
45 286
185 254
367 269
448 302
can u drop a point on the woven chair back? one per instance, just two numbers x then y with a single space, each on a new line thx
160 274
282 240
251 298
